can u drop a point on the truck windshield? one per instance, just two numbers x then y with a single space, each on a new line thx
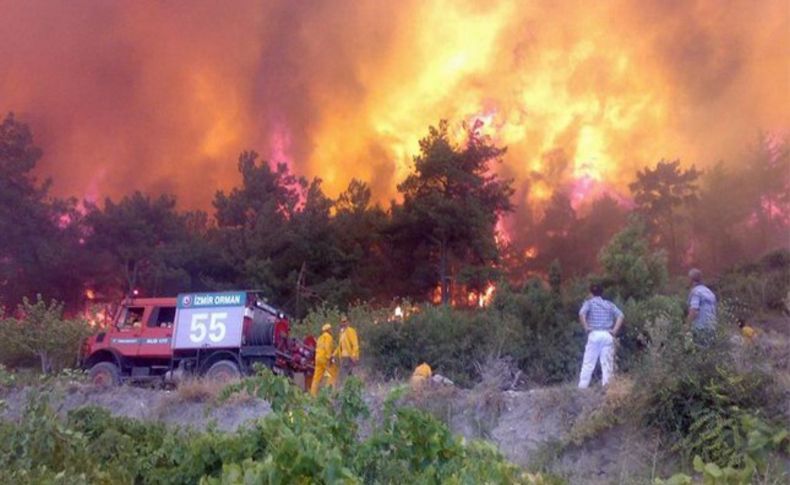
132 317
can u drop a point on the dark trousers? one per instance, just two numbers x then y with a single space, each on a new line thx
346 369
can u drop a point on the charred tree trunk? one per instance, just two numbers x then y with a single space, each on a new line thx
443 273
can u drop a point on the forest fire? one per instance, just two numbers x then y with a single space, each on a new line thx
562 125
579 102
427 194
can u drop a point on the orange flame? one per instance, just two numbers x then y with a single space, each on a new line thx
487 296
531 252
353 92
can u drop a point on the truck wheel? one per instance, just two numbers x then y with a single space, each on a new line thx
105 374
223 371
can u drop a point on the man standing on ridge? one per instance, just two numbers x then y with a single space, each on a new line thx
347 351
702 309
324 348
601 320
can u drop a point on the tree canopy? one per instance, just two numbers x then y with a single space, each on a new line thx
659 193
451 204
282 234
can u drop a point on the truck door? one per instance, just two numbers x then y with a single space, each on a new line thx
126 339
155 337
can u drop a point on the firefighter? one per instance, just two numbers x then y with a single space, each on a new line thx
421 375
347 352
324 348
747 331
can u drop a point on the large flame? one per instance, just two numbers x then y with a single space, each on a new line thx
162 96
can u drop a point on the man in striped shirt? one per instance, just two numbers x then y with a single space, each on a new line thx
601 320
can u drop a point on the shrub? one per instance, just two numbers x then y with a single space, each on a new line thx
451 341
544 337
695 396
41 449
317 441
529 324
639 316
757 287
42 332
7 378
630 267
760 445
362 317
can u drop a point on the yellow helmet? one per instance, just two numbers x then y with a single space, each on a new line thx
327 327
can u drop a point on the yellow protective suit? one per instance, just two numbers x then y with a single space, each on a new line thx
348 344
421 375
324 348
347 348
748 333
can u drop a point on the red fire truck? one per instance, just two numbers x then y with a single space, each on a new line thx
218 335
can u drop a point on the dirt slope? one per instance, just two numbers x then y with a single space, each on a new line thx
527 426
145 404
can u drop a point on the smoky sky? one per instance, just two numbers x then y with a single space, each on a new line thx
163 96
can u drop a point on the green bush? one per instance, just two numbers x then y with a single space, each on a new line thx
534 325
7 378
530 325
544 336
42 333
451 341
761 444
304 440
362 317
631 269
695 396
757 287
639 315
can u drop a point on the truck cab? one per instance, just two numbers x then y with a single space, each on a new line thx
136 345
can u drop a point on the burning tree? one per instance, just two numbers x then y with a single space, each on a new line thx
451 204
659 195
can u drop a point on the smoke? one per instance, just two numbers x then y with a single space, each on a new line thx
162 96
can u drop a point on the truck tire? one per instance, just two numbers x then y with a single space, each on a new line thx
105 374
223 371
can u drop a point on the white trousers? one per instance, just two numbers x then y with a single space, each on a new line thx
600 346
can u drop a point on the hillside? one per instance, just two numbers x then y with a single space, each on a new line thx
582 436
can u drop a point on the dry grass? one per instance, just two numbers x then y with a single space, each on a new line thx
476 410
564 402
198 390
439 400
194 390
610 412
486 400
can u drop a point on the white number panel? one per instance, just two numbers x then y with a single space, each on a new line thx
208 327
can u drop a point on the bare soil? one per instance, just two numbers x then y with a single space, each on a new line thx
543 429
144 404
523 424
